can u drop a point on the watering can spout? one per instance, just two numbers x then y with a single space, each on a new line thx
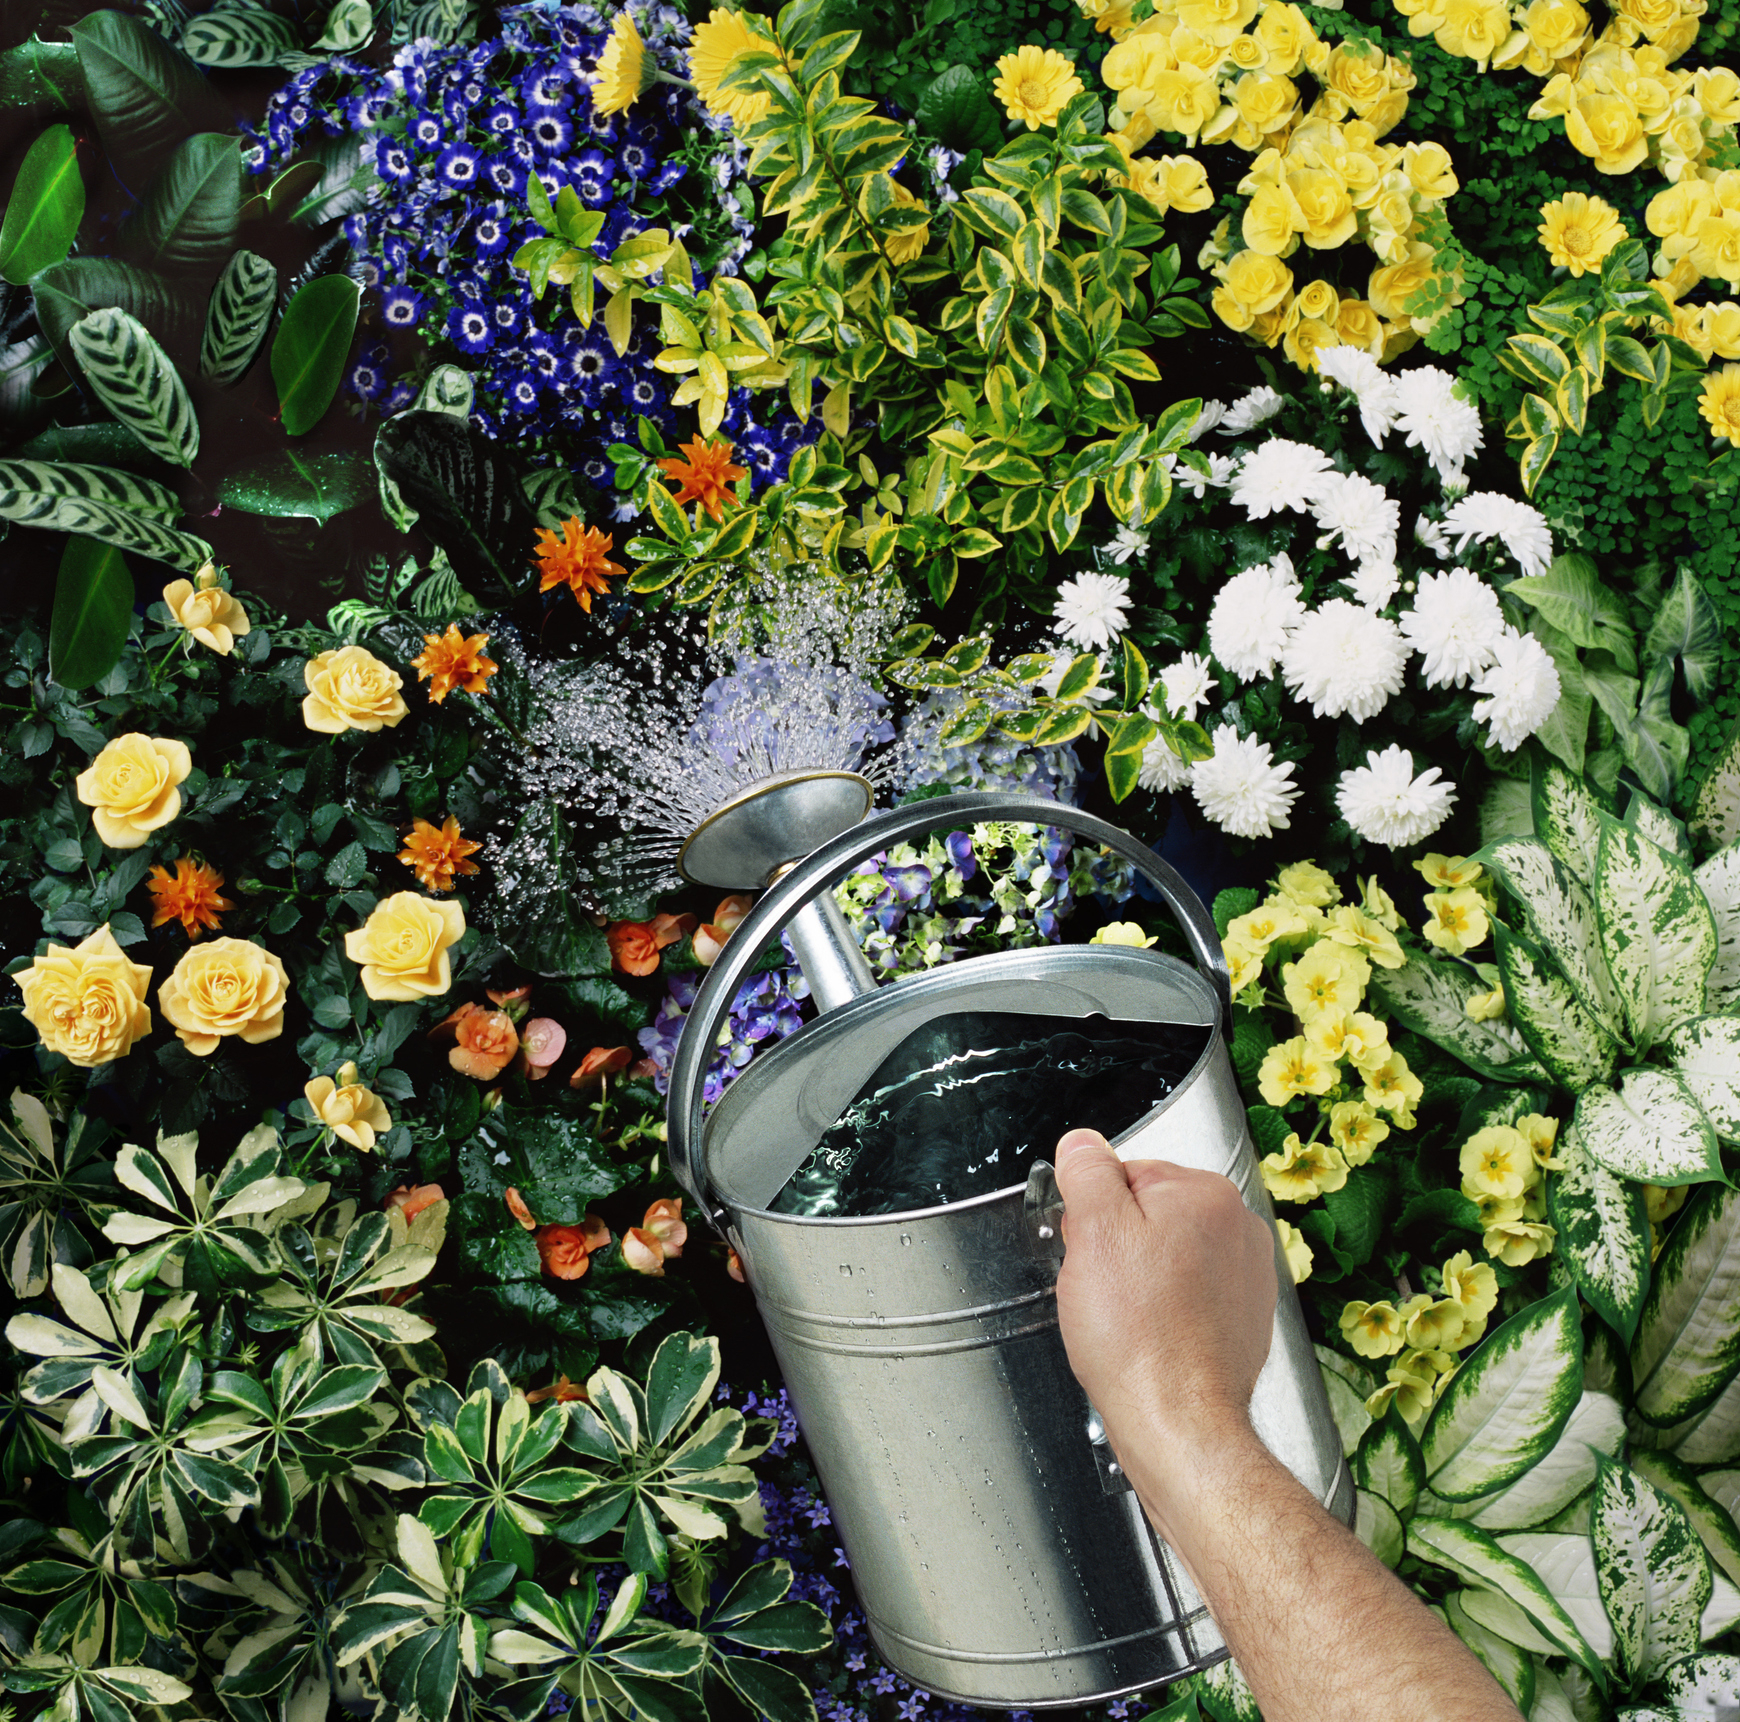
828 953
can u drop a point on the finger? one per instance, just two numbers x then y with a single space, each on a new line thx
1090 1177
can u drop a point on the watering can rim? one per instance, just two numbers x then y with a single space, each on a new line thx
810 877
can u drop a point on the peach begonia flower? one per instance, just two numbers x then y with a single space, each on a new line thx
567 1251
411 1201
486 1041
635 945
600 1062
511 999
657 1239
643 1252
562 1390
710 938
516 1205
541 1043
734 1266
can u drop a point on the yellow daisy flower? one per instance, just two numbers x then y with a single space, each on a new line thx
1034 83
715 46
1720 402
624 69
1579 231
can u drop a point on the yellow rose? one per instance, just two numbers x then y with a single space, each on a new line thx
1386 114
351 689
1557 28
402 947
223 987
1423 16
351 1112
1475 29
1606 128
1675 215
87 1002
213 616
1298 1253
130 787
1270 326
1327 210
1653 18
1286 33
1185 183
1259 283
1372 1329
1272 221
1190 49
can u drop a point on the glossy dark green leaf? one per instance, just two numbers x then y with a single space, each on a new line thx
144 94
44 210
187 220
66 292
93 609
41 72
302 484
956 108
311 346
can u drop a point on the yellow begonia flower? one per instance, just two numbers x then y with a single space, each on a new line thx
1109 17
1356 1129
1541 1133
1448 872
1171 182
1263 925
1608 129
1303 1171
1391 1087
1484 1007
1433 1324
1498 1161
131 787
1356 1036
1256 282
1034 84
211 615
1373 1329
1123 933
1458 920
1474 1286
1579 231
1217 21
715 45
223 987
1350 926
1292 1068
402 947
1719 403
1298 1253
1557 28
1329 977
1516 1243
1473 29
87 1002
353 1114
1307 883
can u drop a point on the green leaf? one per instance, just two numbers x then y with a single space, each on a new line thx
1510 1666
144 94
1553 1482
956 109
349 25
38 72
1388 1462
684 1370
1507 1404
310 348
1715 1527
238 37
1428 995
1549 1013
1603 1231
191 209
769 1690
1688 1341
135 380
1686 627
1719 881
1571 596
1650 1128
1657 930
66 292
300 484
1706 1055
1653 1574
45 209
93 610
100 502
237 318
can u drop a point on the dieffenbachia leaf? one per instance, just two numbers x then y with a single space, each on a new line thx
1659 826
1554 1481
1688 1341
1719 880
1702 1686
1706 1054
1713 1436
1508 1403
1716 817
1567 817
1710 1519
1549 1013
1379 1526
1388 1463
1565 1564
1650 1128
1603 1228
1510 1666
1656 929
1428 996
1653 1574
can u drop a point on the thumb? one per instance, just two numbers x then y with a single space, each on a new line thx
1090 1177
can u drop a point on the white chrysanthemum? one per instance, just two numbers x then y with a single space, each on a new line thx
1251 410
1211 415
1371 386
1361 514
1455 625
1374 583
1247 627
1187 685
1430 535
1240 788
1126 542
1484 515
1386 803
1221 468
1345 658
1280 474
1436 420
1521 689
1091 610
1162 770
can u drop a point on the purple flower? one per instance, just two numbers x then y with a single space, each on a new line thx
491 236
545 91
550 134
368 376
507 177
636 160
392 161
912 1706
592 173
426 131
501 119
960 847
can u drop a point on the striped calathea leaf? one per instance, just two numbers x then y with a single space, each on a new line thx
237 317
1603 1227
1706 1055
1719 880
136 380
1657 930
101 502
1566 1037
1687 1347
1652 1571
1650 1127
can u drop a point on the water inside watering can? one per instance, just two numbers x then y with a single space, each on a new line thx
966 1104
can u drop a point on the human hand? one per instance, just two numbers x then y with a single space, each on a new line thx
1167 1304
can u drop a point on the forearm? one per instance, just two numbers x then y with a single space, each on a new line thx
1319 1627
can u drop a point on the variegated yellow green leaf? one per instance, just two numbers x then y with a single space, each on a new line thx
1652 1571
1508 1403
1688 1342
1656 929
1706 1053
1388 1463
1719 880
1650 1128
1603 1231
1550 1015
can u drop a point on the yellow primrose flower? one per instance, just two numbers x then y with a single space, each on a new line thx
1305 882
1298 1253
1579 231
1243 964
1433 1324
1494 1210
1356 1129
1356 1036
1303 1171
1474 1286
1719 403
1123 933
1448 872
1516 1243
1328 977
1498 1161
1378 903
1484 1007
1373 1329
1292 1068
1391 1087
1034 83
1458 920
1263 925
1351 926
1541 1133
1414 1382
1663 1203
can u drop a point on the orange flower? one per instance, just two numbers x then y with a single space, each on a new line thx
487 1041
453 660
734 1266
436 853
643 1252
189 895
562 1390
706 476
600 1062
509 997
710 939
516 1204
566 1251
664 1219
635 945
579 559
411 1202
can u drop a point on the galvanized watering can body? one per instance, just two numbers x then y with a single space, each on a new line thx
1000 1556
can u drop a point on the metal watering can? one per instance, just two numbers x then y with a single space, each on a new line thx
1000 1556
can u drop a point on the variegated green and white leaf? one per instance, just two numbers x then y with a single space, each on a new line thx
1710 1438
1232 1697
1716 817
1705 1687
1552 1702
1652 1571
1710 1519
1561 920
1688 1342
1428 996
1565 1036
1567 817
1564 1561
1722 1610
1508 1403
1557 1479
1650 1128
1497 1613
1659 826
1719 880
1706 1053
1388 1463
1378 1525
1656 929
1347 1407
237 317
133 377
1478 1558
1603 1227
1512 1668
237 36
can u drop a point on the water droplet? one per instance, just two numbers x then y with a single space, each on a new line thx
845 1272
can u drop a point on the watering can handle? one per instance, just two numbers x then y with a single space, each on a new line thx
817 872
